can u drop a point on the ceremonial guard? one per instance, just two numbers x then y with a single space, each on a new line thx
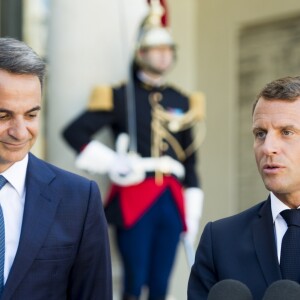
155 197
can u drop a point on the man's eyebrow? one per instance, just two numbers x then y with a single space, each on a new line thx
36 108
287 126
257 128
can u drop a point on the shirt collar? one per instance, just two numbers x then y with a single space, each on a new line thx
16 175
277 206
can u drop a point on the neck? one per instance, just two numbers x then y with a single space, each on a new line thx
291 200
150 78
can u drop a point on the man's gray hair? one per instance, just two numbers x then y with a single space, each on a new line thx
17 57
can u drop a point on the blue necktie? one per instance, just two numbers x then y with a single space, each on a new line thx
290 248
2 240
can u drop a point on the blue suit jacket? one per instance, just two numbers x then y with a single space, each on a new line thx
63 251
241 247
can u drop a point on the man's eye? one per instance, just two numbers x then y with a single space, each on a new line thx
32 115
4 116
260 134
287 132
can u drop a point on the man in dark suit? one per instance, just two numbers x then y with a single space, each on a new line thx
249 247
51 221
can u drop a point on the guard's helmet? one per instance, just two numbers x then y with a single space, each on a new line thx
153 30
156 36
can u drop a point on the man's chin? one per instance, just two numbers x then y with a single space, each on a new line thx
158 71
13 158
276 188
271 185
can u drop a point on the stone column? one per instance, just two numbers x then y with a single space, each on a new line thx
89 42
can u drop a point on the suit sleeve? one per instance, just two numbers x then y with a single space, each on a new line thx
90 277
203 275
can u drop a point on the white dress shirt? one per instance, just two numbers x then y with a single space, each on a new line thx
12 199
280 226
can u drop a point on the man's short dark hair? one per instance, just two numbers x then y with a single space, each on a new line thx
286 88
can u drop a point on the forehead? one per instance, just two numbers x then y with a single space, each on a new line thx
7 79
19 90
277 112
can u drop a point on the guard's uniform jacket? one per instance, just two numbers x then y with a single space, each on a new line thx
107 107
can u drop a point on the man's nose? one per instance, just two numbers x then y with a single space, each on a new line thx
18 129
271 144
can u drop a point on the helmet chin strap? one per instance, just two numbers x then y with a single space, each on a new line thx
149 78
152 71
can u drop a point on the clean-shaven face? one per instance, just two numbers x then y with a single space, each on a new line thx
276 129
20 103
159 59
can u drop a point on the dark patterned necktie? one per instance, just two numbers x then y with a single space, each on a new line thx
290 247
2 240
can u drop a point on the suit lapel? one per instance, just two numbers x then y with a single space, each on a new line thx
39 211
264 243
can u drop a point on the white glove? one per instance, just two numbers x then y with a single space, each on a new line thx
122 167
127 170
95 158
194 198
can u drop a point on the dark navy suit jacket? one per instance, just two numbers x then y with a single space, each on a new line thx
241 247
63 251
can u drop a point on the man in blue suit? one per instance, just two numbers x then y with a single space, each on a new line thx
55 233
247 247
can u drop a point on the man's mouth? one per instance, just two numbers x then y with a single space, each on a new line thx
272 168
